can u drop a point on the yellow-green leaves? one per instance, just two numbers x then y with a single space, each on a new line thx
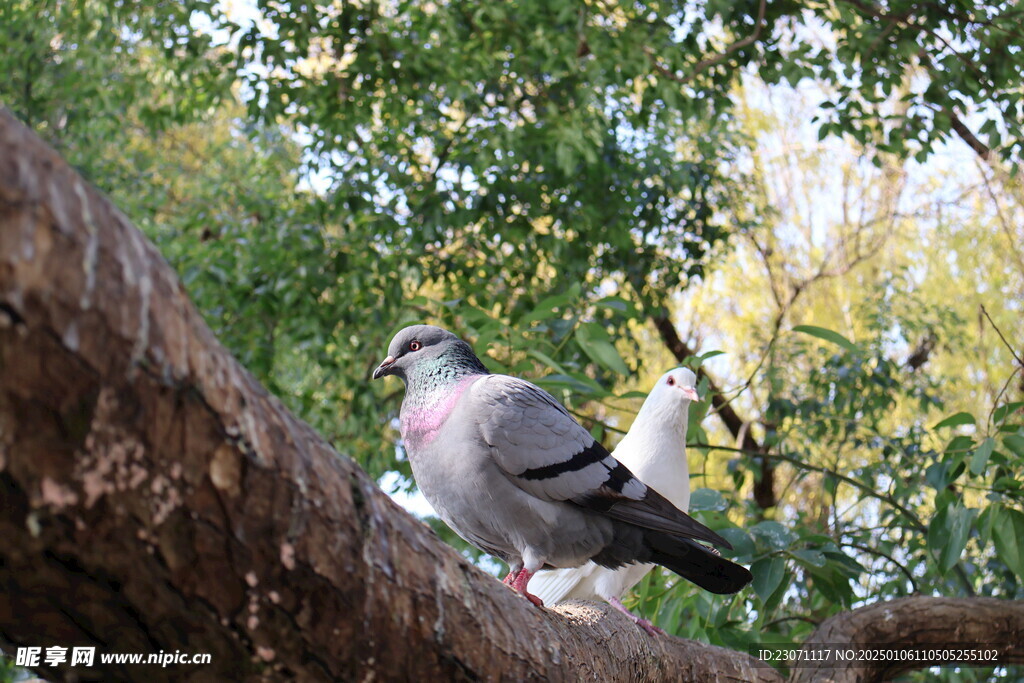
956 420
827 335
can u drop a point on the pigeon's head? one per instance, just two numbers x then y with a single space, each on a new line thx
676 387
413 345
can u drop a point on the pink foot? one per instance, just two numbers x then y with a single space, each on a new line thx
519 584
511 577
642 623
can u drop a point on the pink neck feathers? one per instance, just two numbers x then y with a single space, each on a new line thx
420 424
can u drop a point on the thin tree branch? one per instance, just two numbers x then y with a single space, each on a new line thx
1003 223
705 64
995 327
879 553
871 491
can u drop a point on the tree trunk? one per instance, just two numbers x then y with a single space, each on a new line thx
154 497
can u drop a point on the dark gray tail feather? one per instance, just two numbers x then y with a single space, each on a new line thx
655 512
697 563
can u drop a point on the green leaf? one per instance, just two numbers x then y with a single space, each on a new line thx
843 563
773 534
595 342
814 558
616 303
633 394
956 420
827 335
1002 411
984 524
546 360
575 382
742 543
710 354
707 499
546 308
958 448
833 586
768 573
981 455
1015 443
948 533
1006 484
1008 535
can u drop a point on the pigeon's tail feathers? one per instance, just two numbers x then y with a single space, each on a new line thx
555 586
655 512
697 563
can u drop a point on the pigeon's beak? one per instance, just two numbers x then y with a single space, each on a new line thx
382 369
690 393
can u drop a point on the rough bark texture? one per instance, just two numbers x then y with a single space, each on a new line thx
155 497
918 621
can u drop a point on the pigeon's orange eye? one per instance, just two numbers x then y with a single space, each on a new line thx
415 346
671 380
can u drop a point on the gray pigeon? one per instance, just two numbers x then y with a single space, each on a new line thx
655 451
506 467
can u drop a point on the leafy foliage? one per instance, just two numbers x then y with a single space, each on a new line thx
894 511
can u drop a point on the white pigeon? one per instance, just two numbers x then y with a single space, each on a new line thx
509 469
654 450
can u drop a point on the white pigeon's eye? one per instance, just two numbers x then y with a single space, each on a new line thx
415 345
671 381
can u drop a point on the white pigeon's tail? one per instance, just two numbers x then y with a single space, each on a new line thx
558 585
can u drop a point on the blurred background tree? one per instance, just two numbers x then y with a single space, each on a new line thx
592 192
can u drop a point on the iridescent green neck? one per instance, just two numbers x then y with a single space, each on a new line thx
443 371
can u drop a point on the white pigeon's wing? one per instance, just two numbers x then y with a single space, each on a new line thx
546 453
555 585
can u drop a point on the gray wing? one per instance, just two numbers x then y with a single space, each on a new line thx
545 452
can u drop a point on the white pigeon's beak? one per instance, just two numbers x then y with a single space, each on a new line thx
382 369
690 393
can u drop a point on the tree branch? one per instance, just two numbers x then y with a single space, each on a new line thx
961 129
705 64
1009 347
913 623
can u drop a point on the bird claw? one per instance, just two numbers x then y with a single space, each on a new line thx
639 621
533 598
649 627
518 581
529 596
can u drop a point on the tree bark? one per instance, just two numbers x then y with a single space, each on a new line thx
921 622
153 496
